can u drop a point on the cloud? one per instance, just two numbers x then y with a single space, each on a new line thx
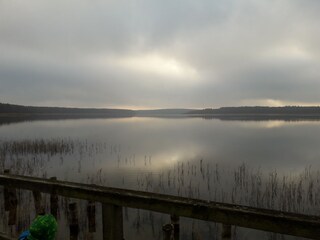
149 63
159 53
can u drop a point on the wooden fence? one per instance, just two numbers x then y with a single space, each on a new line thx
114 199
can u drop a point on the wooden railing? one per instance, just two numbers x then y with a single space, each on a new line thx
113 199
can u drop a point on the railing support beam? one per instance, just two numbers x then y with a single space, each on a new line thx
112 219
10 202
54 201
73 221
176 226
226 232
91 215
37 202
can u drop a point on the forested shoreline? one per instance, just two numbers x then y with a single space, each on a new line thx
258 110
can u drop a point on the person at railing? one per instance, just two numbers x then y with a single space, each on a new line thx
43 227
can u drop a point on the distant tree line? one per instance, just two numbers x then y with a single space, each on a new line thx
288 110
11 108
6 108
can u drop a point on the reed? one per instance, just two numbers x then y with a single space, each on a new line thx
290 191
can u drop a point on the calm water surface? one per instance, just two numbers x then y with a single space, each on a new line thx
157 144
194 157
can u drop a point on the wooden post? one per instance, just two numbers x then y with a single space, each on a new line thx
37 202
226 232
112 219
10 202
73 221
176 226
6 194
91 214
12 216
167 230
54 201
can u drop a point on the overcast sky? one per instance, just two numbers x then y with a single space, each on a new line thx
160 53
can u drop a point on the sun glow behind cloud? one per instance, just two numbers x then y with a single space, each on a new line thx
287 51
151 64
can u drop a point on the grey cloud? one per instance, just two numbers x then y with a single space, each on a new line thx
45 47
101 24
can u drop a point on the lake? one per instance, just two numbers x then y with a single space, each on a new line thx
273 163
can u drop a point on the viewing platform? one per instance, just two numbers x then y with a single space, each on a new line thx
113 200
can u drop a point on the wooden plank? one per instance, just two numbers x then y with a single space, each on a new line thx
10 204
37 202
261 219
176 226
226 232
112 220
91 215
167 231
54 201
73 221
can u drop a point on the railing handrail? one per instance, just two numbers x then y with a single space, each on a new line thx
261 219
